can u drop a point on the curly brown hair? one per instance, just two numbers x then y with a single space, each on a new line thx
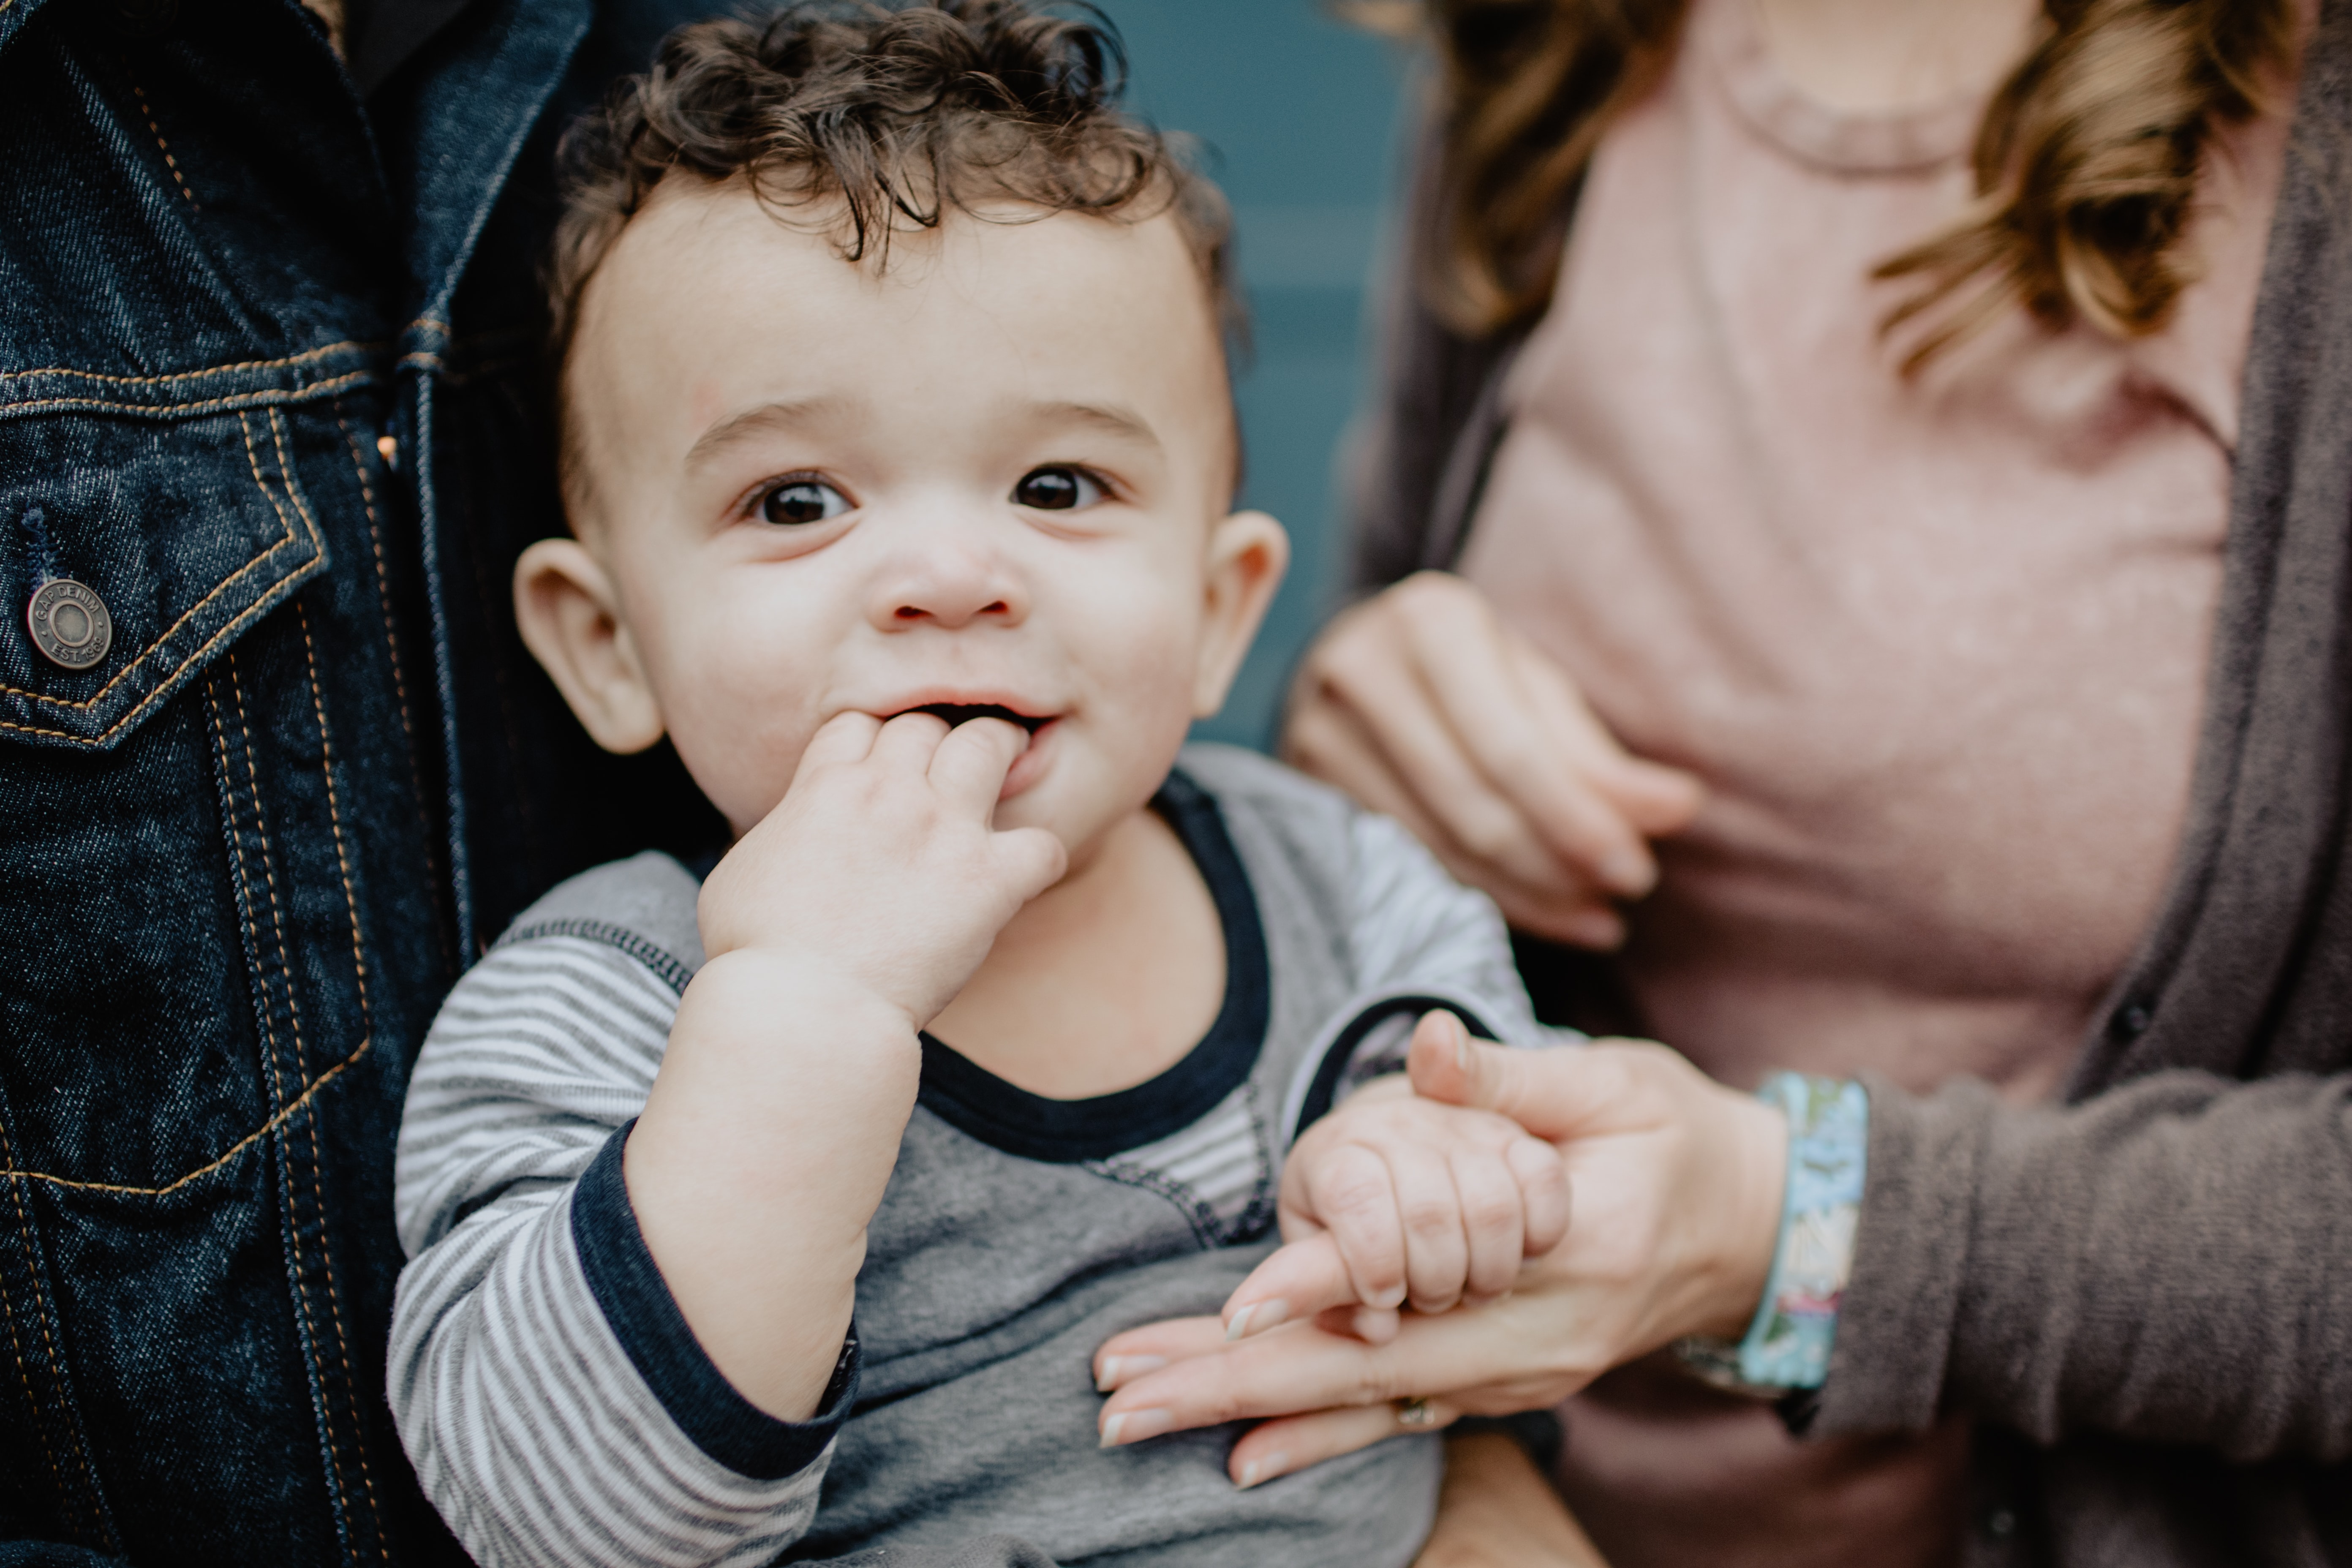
2087 162
868 120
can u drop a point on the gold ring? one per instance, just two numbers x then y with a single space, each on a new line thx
1415 1413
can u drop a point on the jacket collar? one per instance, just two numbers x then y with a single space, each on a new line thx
451 135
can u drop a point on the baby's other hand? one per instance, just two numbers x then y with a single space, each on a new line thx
1392 1199
880 864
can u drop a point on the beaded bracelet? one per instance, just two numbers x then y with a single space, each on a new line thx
1788 1343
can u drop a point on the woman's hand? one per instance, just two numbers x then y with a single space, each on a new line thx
1675 1186
1411 1199
1421 703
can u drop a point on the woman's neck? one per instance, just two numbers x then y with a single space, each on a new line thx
1881 57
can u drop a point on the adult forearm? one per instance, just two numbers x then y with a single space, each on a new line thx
2166 1262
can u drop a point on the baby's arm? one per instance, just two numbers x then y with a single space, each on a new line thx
1394 1199
566 1366
834 932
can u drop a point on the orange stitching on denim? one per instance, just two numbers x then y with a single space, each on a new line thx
235 400
270 877
253 460
230 630
171 163
303 358
7 1308
382 574
284 470
294 1019
392 648
245 886
367 1019
70 1184
335 816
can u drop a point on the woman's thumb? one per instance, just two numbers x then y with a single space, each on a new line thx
1530 1087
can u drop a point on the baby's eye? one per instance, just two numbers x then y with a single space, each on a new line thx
1058 489
803 500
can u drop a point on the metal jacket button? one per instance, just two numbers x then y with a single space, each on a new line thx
69 624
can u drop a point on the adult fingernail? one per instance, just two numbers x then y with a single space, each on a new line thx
1118 1369
1134 1427
1264 1469
1627 870
1597 928
1256 1318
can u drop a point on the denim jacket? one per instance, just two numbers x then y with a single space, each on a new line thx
267 394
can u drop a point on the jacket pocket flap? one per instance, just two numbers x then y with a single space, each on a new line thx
186 530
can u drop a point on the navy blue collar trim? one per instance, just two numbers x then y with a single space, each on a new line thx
976 1102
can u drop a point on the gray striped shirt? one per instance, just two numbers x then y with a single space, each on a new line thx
560 1413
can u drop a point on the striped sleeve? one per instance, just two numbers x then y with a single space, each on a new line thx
1414 928
555 1406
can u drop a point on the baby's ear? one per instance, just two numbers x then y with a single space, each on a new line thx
571 620
1248 553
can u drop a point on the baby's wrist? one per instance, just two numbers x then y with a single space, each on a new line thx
765 1041
779 981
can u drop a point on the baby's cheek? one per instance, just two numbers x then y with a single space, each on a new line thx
741 749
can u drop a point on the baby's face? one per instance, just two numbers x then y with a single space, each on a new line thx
993 474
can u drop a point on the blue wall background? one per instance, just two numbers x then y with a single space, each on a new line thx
1300 116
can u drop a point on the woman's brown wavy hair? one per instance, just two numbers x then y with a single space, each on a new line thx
2086 165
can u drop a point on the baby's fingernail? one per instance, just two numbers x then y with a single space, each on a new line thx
1264 1469
1462 1049
1118 1369
1256 1318
1133 1426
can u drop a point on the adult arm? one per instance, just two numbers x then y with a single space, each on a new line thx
2165 1263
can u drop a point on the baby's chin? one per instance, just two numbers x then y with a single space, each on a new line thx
1083 819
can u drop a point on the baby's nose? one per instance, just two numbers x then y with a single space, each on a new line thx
949 616
949 589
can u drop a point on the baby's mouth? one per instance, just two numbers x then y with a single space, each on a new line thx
961 712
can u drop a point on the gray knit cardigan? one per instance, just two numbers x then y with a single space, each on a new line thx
2143 1295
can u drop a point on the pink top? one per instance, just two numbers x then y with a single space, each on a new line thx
1938 647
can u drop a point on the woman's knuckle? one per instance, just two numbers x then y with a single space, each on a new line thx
1488 832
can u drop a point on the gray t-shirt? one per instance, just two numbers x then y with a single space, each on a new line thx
560 1412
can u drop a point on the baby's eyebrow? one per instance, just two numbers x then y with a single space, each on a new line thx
1106 416
753 423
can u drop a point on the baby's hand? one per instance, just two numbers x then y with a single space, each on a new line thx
880 865
1394 1199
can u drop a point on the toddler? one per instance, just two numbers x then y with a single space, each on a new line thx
899 449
